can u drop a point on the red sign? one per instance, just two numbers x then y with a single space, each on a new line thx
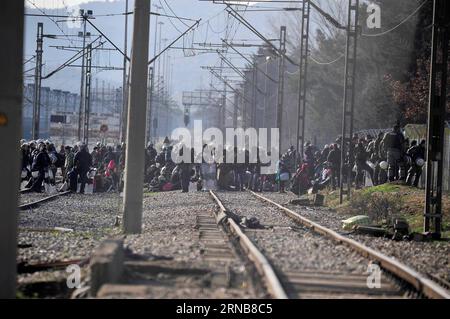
104 128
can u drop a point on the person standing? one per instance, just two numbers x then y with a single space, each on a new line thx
283 174
82 164
185 170
393 144
361 157
334 158
417 154
40 166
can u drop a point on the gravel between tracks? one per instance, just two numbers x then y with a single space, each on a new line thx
89 217
425 257
169 230
290 247
169 222
84 221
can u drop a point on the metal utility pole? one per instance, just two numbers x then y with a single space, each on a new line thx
37 81
436 117
83 59
11 89
155 105
123 117
149 104
349 97
223 107
265 95
235 110
281 67
254 94
158 80
301 110
87 94
134 163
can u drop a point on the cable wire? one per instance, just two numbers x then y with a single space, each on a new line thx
45 14
398 25
327 63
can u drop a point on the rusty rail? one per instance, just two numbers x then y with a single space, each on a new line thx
262 265
43 200
422 284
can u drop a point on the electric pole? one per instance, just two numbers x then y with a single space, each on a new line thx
436 117
123 115
301 110
149 104
281 67
222 109
155 106
87 95
135 151
80 110
349 98
37 81
84 15
235 110
254 94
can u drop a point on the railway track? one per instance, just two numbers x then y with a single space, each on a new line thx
42 200
346 278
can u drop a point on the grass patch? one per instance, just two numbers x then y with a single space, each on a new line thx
148 194
394 198
384 188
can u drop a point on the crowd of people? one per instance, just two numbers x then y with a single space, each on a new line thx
76 166
375 160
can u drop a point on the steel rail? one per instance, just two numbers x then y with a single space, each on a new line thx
43 200
422 284
263 266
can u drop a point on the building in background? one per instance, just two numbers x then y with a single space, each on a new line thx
59 115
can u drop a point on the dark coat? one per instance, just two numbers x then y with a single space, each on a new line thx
82 160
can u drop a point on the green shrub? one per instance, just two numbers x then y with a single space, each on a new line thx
378 206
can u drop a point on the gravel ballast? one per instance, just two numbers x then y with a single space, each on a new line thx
425 257
70 227
170 230
288 246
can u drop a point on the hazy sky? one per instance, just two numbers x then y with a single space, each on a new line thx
63 3
53 4
186 68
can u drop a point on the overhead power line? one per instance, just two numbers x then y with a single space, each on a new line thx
398 25
46 15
